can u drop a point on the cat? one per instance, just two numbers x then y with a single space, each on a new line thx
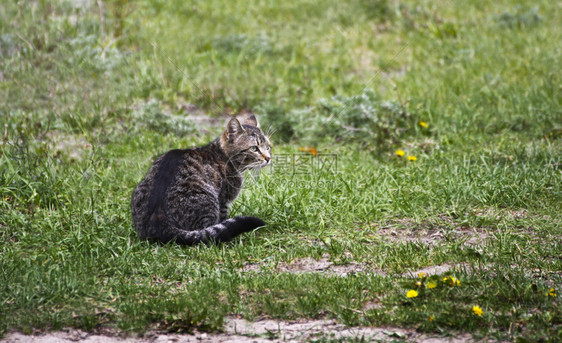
184 197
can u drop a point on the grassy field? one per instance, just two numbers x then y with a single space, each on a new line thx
469 91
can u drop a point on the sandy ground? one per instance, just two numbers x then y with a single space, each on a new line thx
239 330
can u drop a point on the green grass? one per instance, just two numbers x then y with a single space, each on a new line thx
85 115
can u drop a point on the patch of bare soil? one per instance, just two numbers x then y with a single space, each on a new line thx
199 117
431 270
325 266
499 214
307 330
66 144
432 232
310 265
240 330
549 278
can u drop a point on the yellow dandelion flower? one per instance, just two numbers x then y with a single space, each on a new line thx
431 318
477 310
551 293
451 280
422 275
418 283
412 158
412 293
431 284
400 153
424 124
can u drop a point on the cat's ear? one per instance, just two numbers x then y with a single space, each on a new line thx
234 127
247 118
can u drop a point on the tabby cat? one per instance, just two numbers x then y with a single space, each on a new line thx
184 198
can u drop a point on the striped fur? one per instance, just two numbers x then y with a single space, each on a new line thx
185 195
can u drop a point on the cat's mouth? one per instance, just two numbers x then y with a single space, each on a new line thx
262 164
258 164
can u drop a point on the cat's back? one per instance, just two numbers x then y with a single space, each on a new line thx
176 168
152 189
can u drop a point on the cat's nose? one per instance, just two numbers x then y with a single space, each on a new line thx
267 158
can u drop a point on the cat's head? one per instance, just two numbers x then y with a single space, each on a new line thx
245 144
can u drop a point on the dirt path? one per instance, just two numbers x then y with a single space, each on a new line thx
239 330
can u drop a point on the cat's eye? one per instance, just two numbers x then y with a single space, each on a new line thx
254 148
268 148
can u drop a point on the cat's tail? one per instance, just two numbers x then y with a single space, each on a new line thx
218 233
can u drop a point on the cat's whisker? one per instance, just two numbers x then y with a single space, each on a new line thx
270 132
